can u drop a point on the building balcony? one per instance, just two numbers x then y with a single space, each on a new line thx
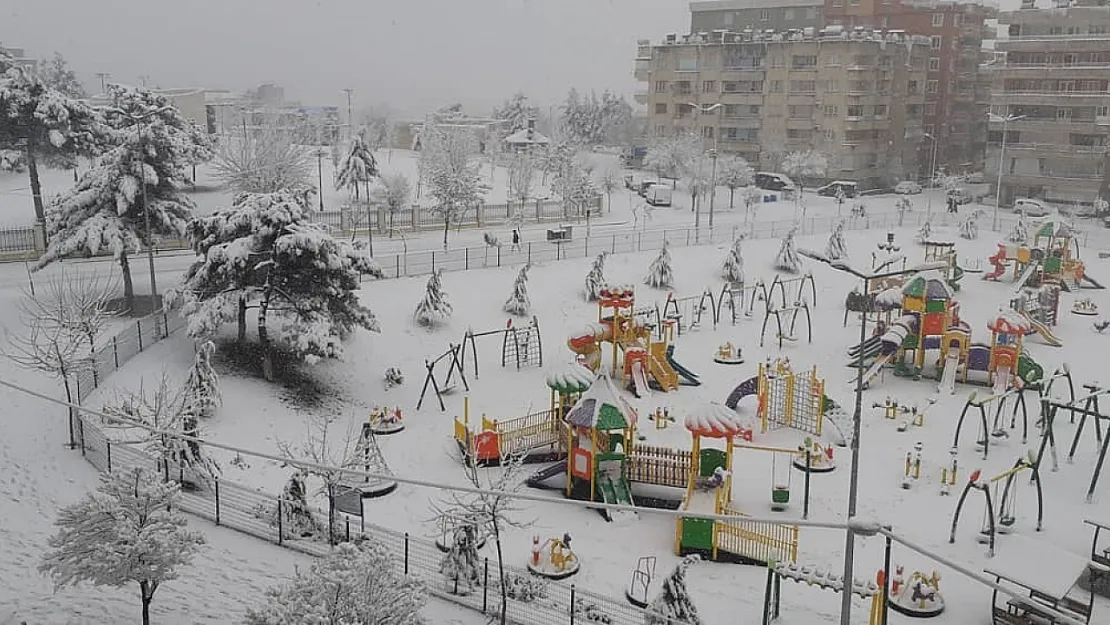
1054 43
1046 179
641 97
1052 124
1056 149
1050 98
741 122
743 69
800 123
740 144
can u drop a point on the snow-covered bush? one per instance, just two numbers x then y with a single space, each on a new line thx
352 584
126 532
525 588
733 270
519 303
461 566
660 275
202 388
837 248
358 167
434 309
297 520
787 259
595 279
673 605
969 228
393 377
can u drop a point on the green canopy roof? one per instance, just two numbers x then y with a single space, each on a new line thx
602 408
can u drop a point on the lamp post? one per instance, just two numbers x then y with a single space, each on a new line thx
1001 158
706 109
350 121
932 174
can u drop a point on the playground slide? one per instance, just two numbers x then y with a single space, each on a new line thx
744 389
639 381
948 378
616 493
689 378
1030 269
1044 331
876 367
1094 284
999 263
665 376
537 479
957 275
867 346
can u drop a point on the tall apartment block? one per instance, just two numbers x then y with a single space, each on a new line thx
737 15
859 99
1051 85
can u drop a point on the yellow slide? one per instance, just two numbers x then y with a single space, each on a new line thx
660 369
1044 331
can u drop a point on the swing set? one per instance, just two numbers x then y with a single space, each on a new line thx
735 294
998 423
792 312
687 311
1090 408
798 288
1007 512
522 346
448 382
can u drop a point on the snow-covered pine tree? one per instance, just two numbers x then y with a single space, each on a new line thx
788 259
358 167
595 279
264 253
126 532
660 275
297 520
573 184
58 75
202 388
354 583
461 567
519 303
617 126
434 309
674 606
516 112
1020 232
733 270
837 248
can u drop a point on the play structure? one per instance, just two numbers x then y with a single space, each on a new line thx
1053 258
910 415
998 425
822 579
451 367
728 354
789 399
918 597
520 346
690 312
1086 407
639 587
945 252
539 436
637 359
553 558
350 491
386 421
930 322
788 308
1084 307
1002 519
740 299
1040 307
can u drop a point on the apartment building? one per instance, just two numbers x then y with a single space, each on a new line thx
1049 95
859 99
956 30
737 15
17 55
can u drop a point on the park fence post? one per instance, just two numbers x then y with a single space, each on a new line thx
498 255
406 553
687 237
485 586
886 582
216 481
139 331
805 499
466 258
433 261
81 434
529 251
115 351
281 532
108 452
613 248
572 601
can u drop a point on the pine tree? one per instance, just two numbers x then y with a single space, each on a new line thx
787 259
595 279
519 303
837 248
1020 232
434 309
461 567
58 75
733 270
354 583
297 520
516 112
202 388
659 272
674 606
126 532
358 167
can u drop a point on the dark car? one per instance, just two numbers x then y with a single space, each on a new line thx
773 182
834 188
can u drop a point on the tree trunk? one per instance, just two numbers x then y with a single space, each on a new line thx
147 596
331 514
731 193
501 573
241 319
36 184
610 195
391 215
446 228
264 339
128 286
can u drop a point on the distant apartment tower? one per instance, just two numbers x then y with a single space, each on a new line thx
857 99
737 15
1054 76
956 31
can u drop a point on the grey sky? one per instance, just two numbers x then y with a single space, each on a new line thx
413 54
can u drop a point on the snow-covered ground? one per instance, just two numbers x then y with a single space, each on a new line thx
258 416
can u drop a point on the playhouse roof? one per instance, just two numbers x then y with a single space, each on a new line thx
888 299
527 136
1009 322
712 420
1054 229
928 285
572 378
602 407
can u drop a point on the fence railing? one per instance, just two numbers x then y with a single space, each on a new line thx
123 346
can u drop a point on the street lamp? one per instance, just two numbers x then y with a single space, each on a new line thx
704 110
350 121
932 173
1001 157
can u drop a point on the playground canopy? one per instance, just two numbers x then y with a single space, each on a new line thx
712 420
602 408
1009 322
928 285
570 380
1052 229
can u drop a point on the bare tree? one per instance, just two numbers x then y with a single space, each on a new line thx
396 195
609 180
52 350
492 512
74 302
264 160
521 178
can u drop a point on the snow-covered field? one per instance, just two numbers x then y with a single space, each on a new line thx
258 416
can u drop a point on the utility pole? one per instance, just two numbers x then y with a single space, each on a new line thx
103 76
1001 156
350 120
320 176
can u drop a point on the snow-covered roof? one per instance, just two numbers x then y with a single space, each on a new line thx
713 420
1009 322
890 298
527 136
602 408
572 378
929 285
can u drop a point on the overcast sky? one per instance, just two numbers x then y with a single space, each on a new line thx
412 54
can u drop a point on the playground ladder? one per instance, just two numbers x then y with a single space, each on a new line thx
522 346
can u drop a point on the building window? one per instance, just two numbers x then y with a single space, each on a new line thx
855 111
803 61
687 65
730 86
935 41
957 19
765 15
683 87
934 64
802 86
831 86
838 3
1097 30
880 110
830 110
1071 58
1063 114
788 15
729 17
930 108
1102 111
832 60
801 111
707 132
776 86
854 3
660 130
660 86
938 20
930 86
709 86
885 21
660 108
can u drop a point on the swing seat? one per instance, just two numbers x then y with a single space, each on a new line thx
450 388
780 496
984 537
1000 433
788 337
1007 520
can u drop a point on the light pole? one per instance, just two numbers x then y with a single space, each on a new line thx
932 174
1001 157
139 119
350 121
706 109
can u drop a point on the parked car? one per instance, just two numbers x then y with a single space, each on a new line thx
1031 207
773 182
907 187
658 195
834 188
642 191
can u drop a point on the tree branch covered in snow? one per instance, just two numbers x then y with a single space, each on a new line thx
126 532
358 167
735 173
434 308
266 160
448 159
519 303
595 279
522 178
56 74
733 268
669 156
515 112
72 301
396 195
202 388
837 248
787 259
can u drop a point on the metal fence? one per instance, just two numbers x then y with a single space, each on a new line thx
123 346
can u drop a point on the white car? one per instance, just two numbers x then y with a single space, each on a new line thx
1030 207
907 187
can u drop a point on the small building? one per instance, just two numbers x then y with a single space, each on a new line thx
526 139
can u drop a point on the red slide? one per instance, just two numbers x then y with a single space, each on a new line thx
999 262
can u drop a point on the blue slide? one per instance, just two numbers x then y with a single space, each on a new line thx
689 378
